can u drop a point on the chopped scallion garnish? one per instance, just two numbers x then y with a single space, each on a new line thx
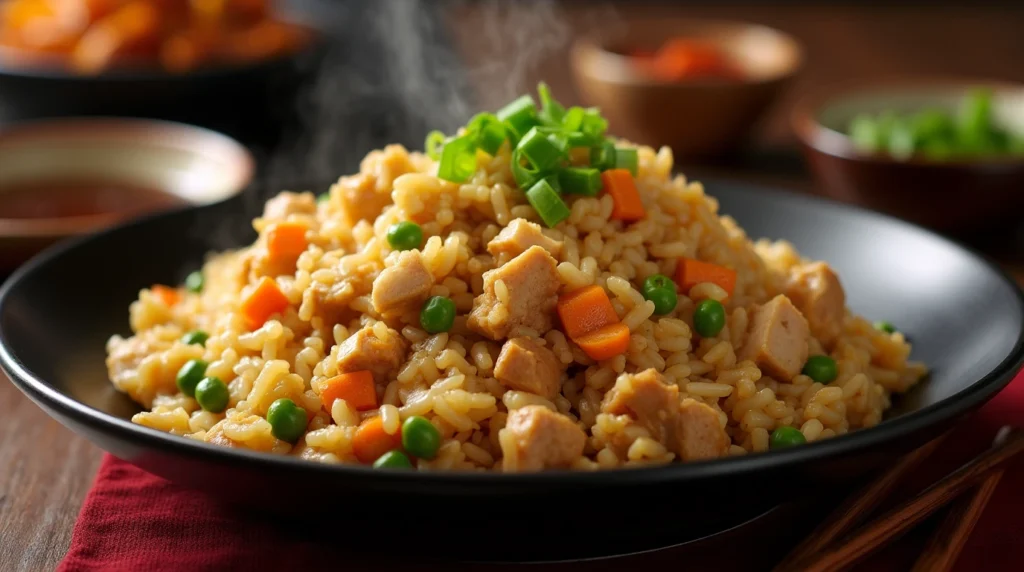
539 150
458 159
547 203
540 141
523 172
551 112
580 181
490 133
625 158
435 140
603 156
520 115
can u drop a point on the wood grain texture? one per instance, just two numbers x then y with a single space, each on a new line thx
45 470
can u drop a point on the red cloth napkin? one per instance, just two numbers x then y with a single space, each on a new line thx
132 520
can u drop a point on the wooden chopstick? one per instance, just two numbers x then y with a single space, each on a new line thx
900 519
949 539
947 542
857 506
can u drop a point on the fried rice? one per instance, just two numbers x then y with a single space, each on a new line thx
671 396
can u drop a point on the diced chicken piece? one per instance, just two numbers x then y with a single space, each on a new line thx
363 350
526 365
778 339
519 235
287 203
816 291
536 438
528 299
691 430
361 198
402 287
646 397
331 301
703 435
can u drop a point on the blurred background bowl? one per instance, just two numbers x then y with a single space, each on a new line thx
248 100
696 117
164 164
958 194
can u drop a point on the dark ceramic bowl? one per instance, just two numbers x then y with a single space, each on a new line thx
696 118
248 101
965 317
953 195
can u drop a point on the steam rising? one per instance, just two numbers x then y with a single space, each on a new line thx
394 74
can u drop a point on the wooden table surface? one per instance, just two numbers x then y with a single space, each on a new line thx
48 469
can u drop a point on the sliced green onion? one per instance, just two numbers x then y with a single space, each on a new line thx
520 115
539 150
434 143
552 180
593 124
491 138
625 158
547 203
578 139
458 159
490 132
603 156
551 112
573 119
523 172
580 181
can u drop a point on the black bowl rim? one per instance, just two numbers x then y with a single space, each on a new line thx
947 409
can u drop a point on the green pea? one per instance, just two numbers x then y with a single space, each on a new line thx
405 235
661 290
194 282
323 197
437 315
786 436
287 420
709 318
393 460
420 437
195 337
189 376
212 394
886 327
821 369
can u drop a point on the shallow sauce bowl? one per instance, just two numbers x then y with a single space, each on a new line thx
191 164
964 316
959 194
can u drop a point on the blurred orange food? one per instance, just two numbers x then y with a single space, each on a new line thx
91 36
681 59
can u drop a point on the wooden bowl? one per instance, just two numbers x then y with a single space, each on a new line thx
181 164
696 118
952 195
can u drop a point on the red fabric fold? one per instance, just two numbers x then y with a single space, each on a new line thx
132 520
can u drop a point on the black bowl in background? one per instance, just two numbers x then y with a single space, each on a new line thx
965 316
252 102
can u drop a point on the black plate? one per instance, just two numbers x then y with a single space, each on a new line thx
964 316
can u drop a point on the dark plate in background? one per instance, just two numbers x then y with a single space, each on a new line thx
964 316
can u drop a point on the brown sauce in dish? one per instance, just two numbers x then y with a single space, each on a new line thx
60 198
